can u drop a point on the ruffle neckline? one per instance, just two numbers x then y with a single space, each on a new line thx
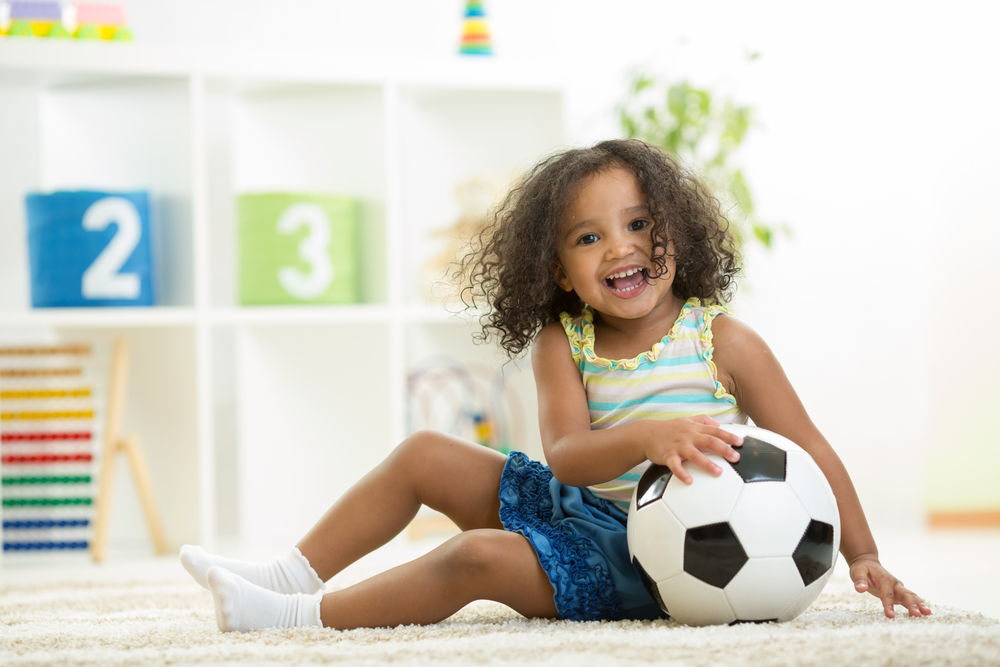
583 345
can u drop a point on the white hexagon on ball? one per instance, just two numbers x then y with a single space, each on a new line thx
810 485
693 602
657 531
768 519
708 499
764 589
806 598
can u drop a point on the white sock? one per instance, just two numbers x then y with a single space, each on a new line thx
289 574
241 606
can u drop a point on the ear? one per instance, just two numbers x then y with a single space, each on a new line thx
562 279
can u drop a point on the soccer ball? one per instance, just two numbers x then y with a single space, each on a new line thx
757 543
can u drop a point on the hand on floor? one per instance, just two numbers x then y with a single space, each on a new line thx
869 575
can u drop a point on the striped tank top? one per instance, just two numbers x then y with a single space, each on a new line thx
676 378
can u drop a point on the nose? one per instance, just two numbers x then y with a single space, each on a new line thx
619 246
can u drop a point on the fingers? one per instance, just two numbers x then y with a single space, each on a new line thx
888 597
859 574
899 594
676 465
714 430
691 440
889 590
715 439
721 446
696 456
879 583
704 419
913 603
729 437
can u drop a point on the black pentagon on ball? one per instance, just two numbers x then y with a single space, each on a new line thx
648 582
760 461
814 554
713 553
651 485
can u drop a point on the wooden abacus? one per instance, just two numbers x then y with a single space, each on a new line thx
38 447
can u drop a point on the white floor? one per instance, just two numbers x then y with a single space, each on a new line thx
953 568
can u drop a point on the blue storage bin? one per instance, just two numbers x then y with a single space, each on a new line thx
90 248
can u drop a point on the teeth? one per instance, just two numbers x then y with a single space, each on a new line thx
624 274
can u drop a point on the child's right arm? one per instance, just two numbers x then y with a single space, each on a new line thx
579 456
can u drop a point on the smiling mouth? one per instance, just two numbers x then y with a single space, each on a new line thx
626 281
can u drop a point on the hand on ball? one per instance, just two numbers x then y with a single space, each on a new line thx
671 442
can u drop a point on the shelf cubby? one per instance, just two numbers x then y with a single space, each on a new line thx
256 418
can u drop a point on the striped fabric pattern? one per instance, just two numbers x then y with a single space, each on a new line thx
676 378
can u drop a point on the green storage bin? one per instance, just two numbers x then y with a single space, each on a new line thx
298 248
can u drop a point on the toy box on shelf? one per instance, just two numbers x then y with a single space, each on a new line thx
90 248
297 249
79 20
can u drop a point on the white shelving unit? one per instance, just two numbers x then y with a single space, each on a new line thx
255 419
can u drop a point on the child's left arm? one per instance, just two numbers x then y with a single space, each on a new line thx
749 370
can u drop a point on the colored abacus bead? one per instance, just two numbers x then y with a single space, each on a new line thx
76 414
44 393
46 523
44 351
31 437
43 546
44 502
65 479
46 458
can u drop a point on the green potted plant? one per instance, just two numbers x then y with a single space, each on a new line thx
704 131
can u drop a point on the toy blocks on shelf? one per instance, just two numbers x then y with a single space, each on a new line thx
52 19
475 31
86 20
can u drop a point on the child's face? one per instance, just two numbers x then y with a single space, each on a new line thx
605 234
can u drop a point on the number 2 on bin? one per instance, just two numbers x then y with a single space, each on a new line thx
101 280
314 250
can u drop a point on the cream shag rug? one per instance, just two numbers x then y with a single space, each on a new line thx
174 623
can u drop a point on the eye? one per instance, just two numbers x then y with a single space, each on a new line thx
637 225
587 239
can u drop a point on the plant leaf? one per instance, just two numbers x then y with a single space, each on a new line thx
692 121
763 234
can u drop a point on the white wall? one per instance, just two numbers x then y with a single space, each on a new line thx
876 142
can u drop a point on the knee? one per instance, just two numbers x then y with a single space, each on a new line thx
475 553
414 449
420 451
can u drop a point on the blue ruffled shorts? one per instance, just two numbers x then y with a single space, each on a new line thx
581 544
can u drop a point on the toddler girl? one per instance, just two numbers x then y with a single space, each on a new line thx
611 263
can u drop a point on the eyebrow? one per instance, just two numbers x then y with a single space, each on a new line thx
638 208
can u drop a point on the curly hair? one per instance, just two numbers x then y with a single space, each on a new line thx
511 264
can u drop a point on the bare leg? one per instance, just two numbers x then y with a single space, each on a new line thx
476 565
455 477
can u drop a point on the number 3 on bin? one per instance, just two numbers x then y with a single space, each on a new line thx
314 250
101 280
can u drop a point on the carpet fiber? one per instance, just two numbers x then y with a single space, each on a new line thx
173 623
